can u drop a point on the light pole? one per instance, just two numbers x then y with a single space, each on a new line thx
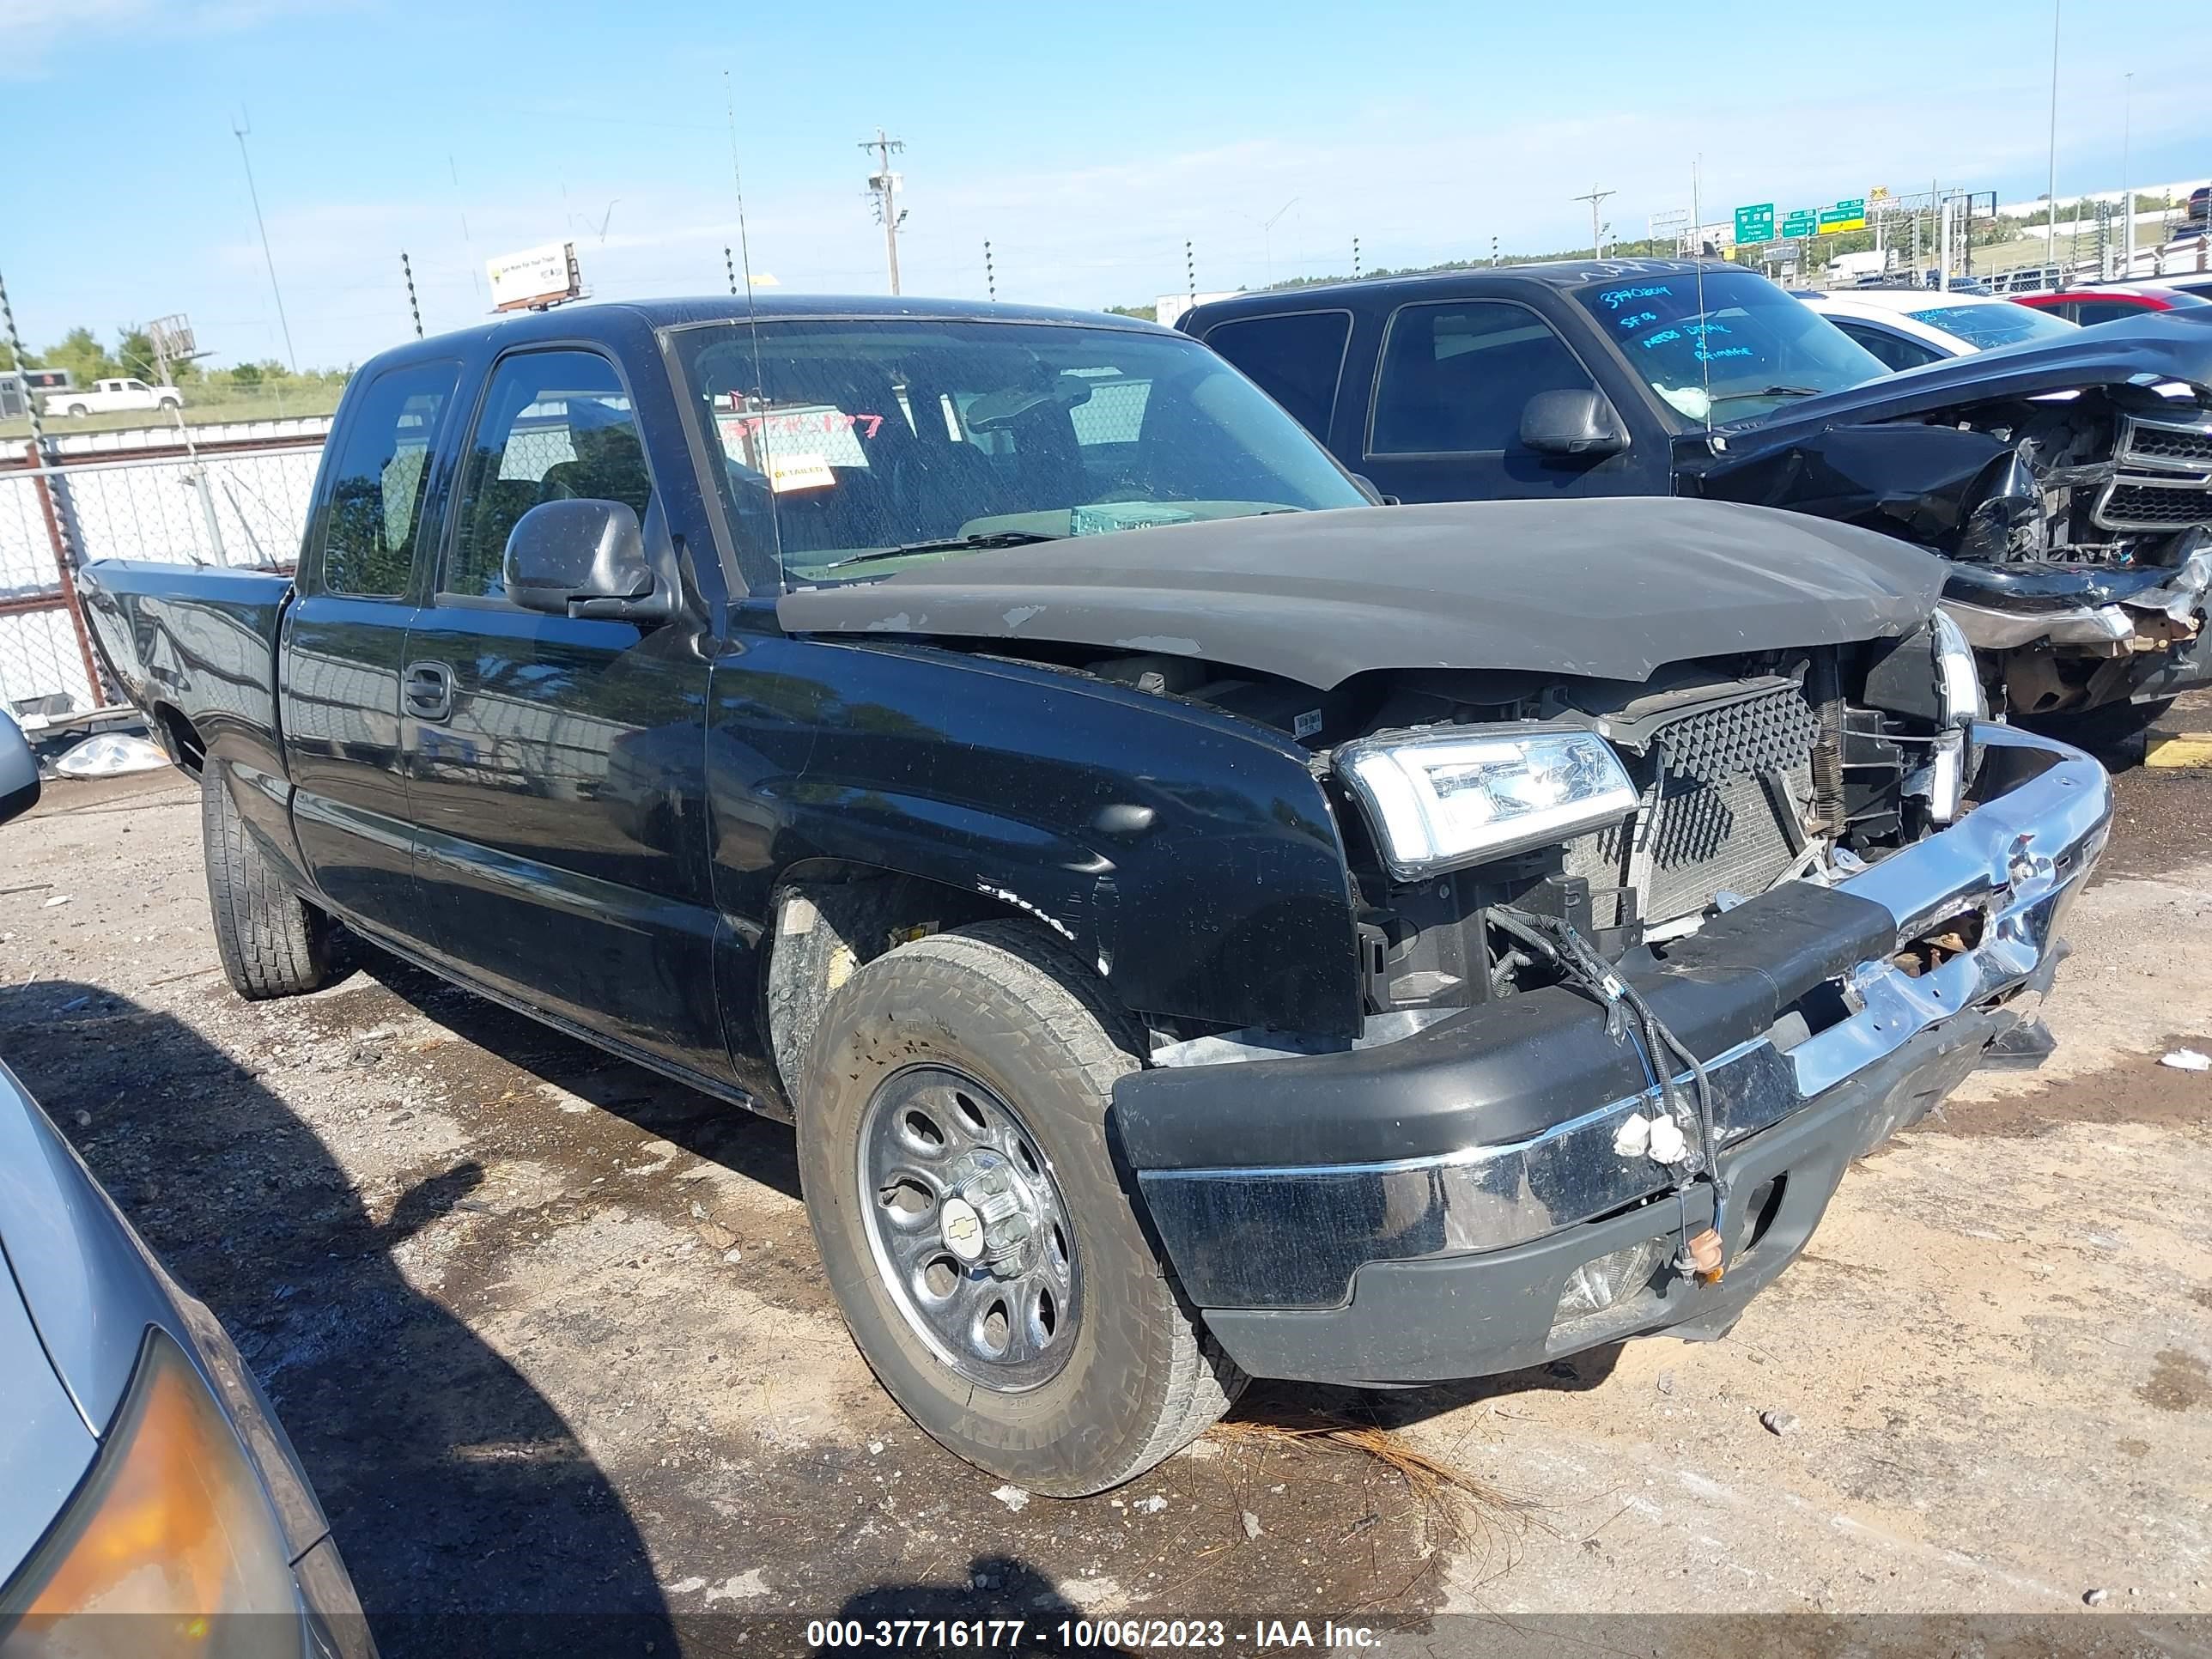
2127 190
2051 184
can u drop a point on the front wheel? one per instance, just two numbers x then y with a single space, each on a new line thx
987 1252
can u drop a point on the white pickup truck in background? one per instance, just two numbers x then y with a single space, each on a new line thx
113 396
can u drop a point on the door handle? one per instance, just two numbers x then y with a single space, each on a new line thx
429 690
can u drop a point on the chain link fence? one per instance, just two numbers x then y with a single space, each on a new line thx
241 502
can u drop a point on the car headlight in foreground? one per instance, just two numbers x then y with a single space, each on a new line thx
1451 798
169 1547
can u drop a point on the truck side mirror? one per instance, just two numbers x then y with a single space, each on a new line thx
590 558
19 771
1581 423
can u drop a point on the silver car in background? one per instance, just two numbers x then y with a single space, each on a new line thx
150 1504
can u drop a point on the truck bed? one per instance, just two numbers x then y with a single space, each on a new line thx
195 641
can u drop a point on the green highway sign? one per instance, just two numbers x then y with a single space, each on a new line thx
1845 216
1755 224
1802 222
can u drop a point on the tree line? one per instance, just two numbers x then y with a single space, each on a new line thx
87 359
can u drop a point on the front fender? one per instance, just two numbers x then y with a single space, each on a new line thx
1190 857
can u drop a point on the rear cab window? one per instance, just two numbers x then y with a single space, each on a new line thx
1296 359
372 511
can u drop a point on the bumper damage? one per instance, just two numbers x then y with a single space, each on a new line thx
1450 1202
2144 626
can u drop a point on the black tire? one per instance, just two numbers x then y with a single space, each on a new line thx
78 410
1140 1380
273 943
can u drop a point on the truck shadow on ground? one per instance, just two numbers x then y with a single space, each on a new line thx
458 1495
741 1141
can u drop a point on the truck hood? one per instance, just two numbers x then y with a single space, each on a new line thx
1605 589
2146 350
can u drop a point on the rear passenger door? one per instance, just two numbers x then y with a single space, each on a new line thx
345 636
1444 421
558 763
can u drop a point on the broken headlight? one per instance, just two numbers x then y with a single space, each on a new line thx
1958 681
1444 799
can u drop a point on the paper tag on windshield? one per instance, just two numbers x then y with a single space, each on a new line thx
789 472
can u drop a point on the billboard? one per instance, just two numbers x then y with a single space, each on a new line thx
542 275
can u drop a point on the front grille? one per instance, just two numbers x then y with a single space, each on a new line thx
1708 824
2166 446
2143 504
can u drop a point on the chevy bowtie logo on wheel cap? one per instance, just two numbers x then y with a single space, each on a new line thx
964 1229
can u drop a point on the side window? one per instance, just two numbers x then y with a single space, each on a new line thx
2090 312
1295 360
1454 378
377 479
1895 351
555 426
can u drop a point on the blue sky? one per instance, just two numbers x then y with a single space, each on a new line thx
1085 144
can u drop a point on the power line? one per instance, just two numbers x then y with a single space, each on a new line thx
239 132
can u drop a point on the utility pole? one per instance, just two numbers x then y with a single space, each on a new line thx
884 184
408 271
2051 184
239 131
990 277
1593 197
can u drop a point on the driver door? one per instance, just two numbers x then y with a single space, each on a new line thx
1445 422
556 764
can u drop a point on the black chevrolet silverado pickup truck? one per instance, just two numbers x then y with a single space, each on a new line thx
2070 482
1201 923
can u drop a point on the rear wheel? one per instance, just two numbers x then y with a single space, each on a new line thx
273 943
987 1251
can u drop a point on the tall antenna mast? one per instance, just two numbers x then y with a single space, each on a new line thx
238 129
885 184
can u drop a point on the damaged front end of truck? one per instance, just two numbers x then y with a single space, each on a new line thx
1680 865
2070 485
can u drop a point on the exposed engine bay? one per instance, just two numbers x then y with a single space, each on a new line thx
2079 522
2100 510
1741 773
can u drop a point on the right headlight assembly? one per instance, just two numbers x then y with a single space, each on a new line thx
1442 799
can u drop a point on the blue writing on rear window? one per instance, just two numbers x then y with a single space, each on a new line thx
1613 298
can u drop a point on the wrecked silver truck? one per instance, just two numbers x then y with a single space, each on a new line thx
1200 924
2069 484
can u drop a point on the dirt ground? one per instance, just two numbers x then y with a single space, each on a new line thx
551 1336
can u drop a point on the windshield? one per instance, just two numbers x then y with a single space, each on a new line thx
867 444
1747 348
2000 324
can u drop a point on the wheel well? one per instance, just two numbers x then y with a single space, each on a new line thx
180 738
830 917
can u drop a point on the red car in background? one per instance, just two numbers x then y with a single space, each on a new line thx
2091 304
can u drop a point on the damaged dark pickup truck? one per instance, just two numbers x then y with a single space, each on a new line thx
1201 924
2070 482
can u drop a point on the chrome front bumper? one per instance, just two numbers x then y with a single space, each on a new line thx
1294 1235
